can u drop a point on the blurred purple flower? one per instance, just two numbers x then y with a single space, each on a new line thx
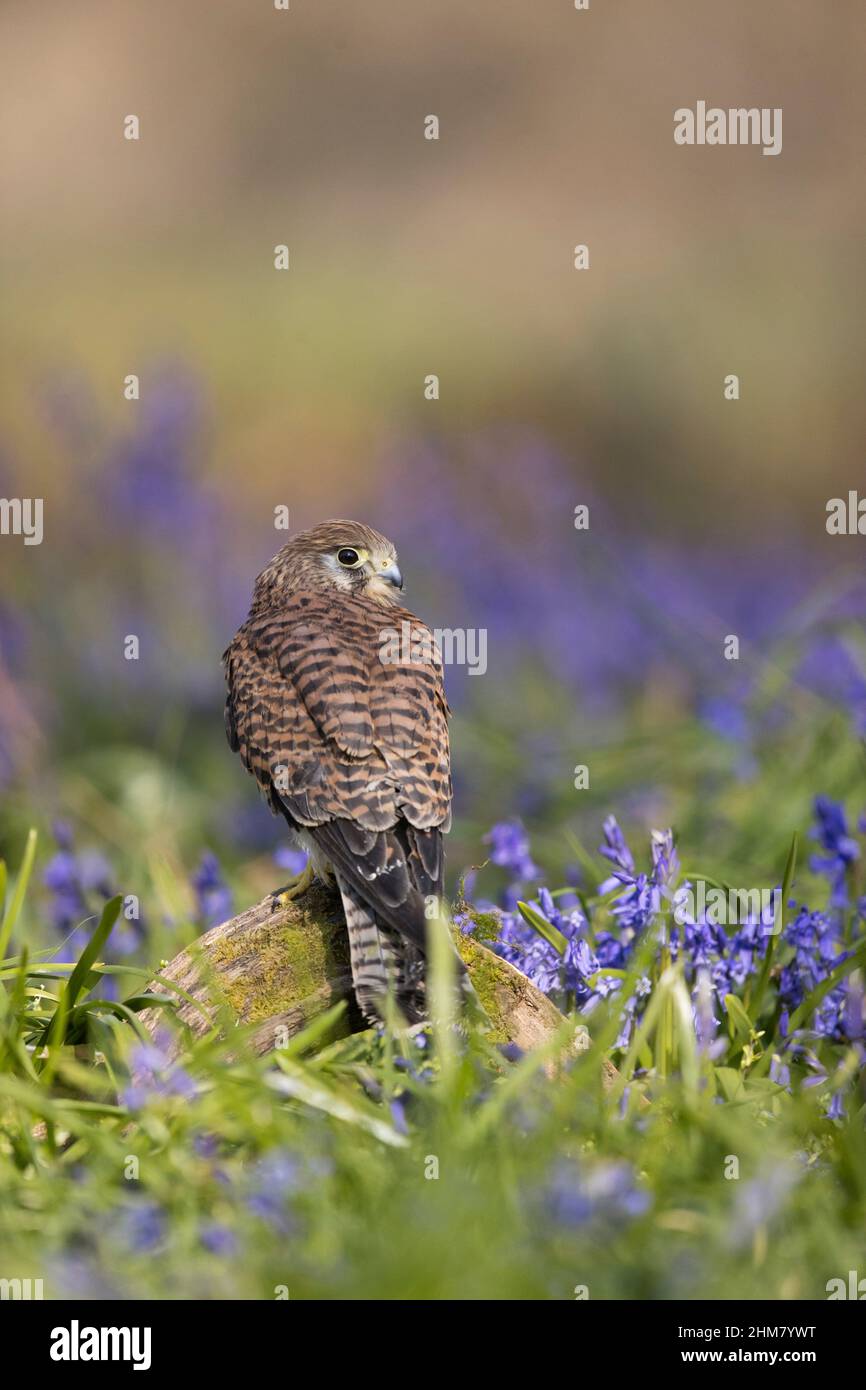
156 1074
213 895
218 1239
760 1200
605 1194
142 1227
509 848
295 860
842 850
78 885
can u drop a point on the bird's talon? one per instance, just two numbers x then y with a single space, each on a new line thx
295 888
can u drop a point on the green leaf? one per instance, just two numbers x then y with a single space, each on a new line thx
312 1090
730 1083
543 927
76 1030
318 1028
55 1028
87 959
138 1002
742 1024
14 908
756 1001
608 972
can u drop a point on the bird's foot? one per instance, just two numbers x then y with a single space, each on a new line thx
295 888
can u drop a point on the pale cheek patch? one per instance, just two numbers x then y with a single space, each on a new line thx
381 589
339 576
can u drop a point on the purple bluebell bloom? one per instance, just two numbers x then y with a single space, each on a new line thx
760 1200
509 848
156 1075
143 1227
79 884
294 860
605 1193
716 964
218 1239
213 895
840 848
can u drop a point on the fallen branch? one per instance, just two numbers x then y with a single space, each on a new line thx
276 968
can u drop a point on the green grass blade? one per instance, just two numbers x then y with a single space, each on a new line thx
14 909
55 1029
544 928
755 1002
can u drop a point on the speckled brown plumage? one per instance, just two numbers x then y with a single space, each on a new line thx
350 749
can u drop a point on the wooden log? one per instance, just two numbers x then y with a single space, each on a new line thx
277 967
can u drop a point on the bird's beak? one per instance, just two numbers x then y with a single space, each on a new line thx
392 575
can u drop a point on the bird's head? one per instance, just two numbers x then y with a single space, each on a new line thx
346 556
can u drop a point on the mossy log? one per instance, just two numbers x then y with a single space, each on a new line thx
277 967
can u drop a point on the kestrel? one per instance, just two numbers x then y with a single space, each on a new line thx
349 744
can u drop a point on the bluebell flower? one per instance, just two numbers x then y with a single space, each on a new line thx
156 1074
817 950
759 1201
715 963
666 861
67 903
218 1239
745 951
605 1194
397 1107
142 1226
780 1072
213 895
294 860
279 1177
630 1011
726 717
841 849
615 849
509 848
555 974
706 1023
853 1015
79 884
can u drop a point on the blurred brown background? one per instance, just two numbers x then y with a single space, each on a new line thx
409 257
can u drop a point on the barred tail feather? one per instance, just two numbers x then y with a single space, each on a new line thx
381 961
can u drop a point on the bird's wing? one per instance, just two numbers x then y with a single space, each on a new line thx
352 748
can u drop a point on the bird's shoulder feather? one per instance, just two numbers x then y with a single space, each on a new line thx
357 736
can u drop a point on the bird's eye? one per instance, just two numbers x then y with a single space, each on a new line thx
348 557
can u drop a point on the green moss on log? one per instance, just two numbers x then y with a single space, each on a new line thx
488 985
276 967
487 925
283 964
